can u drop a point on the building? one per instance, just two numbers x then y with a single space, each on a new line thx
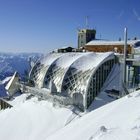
133 46
66 49
84 36
79 76
132 61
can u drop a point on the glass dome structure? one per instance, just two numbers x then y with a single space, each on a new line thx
79 75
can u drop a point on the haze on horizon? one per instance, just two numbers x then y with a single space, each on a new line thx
45 25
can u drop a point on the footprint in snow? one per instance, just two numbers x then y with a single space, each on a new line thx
102 130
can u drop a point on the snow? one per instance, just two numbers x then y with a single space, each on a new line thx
119 120
100 100
66 60
50 58
69 58
91 60
107 42
19 100
81 61
11 62
32 120
137 50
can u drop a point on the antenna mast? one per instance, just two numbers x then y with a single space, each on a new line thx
125 48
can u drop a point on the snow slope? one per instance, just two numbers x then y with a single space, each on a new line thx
119 120
32 120
40 120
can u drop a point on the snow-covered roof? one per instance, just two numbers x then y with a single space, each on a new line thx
107 42
68 59
50 58
84 68
59 65
39 70
90 61
62 64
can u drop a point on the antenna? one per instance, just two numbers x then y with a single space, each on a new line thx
87 22
125 48
124 63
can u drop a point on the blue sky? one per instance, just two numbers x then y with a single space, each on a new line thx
45 25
